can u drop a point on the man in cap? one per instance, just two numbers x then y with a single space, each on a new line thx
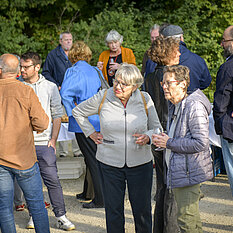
21 114
223 103
199 73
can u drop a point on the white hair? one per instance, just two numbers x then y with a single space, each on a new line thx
175 36
113 36
130 74
154 27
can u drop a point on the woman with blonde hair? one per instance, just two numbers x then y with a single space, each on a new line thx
81 82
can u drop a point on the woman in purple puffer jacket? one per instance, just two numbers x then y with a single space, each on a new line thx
187 155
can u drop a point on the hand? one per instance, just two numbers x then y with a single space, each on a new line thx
52 143
100 65
142 139
97 137
160 140
59 88
114 66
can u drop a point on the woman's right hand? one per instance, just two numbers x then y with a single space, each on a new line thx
97 137
100 65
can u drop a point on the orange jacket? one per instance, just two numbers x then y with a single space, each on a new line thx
127 56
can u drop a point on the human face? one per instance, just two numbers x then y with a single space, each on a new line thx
154 33
176 59
227 43
66 42
122 90
114 46
29 71
173 89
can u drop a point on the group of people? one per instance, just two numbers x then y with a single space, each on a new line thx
120 129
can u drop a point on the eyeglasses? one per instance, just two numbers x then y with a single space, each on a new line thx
122 85
25 67
223 40
168 83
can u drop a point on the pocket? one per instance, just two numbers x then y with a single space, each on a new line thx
29 172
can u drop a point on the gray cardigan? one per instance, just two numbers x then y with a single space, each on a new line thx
117 125
50 100
190 161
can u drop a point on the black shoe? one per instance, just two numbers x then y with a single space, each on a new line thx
81 196
91 205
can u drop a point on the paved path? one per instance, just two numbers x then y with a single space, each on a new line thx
216 210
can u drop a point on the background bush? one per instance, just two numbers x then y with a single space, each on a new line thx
36 25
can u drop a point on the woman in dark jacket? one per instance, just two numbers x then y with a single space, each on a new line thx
165 52
187 155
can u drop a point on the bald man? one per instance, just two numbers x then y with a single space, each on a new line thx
223 103
21 114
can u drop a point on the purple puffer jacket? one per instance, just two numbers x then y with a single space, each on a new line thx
190 161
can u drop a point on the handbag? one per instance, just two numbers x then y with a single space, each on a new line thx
104 83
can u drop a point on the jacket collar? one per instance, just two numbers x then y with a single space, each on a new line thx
116 101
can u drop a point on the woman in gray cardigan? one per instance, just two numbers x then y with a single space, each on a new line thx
127 119
187 155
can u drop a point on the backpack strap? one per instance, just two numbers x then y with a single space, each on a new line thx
102 101
144 101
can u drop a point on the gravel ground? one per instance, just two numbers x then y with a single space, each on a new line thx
216 210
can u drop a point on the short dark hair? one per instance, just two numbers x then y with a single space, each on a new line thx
35 57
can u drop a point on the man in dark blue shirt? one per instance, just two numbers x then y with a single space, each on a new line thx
223 103
54 69
57 61
199 73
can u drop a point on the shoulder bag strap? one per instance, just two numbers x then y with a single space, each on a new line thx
144 101
102 101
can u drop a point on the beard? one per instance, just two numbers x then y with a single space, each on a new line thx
228 51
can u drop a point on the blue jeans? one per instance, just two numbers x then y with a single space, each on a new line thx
227 152
30 182
139 182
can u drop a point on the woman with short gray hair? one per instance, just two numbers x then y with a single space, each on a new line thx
109 60
127 119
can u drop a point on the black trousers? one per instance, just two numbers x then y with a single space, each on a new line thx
165 214
88 149
139 183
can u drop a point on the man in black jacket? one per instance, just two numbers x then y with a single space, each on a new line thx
223 103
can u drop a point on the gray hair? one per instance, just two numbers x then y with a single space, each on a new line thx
154 27
130 74
115 36
7 68
61 35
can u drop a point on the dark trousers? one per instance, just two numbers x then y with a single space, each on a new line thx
48 169
165 213
139 183
88 149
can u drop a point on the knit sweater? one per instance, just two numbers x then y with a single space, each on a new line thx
127 56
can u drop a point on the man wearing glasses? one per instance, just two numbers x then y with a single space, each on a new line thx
223 103
45 143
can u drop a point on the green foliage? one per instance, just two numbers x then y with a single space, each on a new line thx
36 25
